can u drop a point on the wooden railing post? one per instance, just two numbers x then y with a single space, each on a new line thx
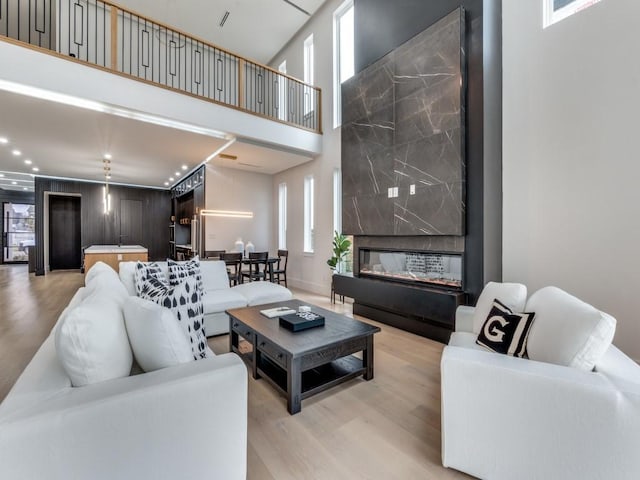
114 38
319 100
241 64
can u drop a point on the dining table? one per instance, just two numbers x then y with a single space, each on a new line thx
270 262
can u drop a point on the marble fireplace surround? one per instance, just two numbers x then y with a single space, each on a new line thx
403 141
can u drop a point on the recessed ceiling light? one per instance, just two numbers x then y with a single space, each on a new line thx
14 183
171 179
25 188
4 140
166 184
177 174
1 174
28 162
107 156
184 167
35 169
17 153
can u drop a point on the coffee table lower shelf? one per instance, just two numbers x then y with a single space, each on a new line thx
315 380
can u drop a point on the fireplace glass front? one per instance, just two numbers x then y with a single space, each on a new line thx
436 269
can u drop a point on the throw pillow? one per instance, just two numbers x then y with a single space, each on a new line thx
92 344
568 331
181 270
97 269
185 301
505 331
155 335
145 271
513 295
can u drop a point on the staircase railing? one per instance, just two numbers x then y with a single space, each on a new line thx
103 34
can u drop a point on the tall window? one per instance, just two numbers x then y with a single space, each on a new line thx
308 214
282 92
337 201
343 57
282 216
556 10
308 74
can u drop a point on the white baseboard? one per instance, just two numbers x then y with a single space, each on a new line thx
313 287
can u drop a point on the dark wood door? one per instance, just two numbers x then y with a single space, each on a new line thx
65 251
130 222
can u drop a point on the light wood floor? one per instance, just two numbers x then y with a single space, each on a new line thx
387 428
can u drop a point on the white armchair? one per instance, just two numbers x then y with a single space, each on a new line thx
506 417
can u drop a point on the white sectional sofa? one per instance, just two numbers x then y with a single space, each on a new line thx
505 417
218 295
187 421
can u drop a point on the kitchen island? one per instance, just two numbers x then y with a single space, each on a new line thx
112 255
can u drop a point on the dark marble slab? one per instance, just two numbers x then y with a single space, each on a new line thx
367 153
372 176
368 92
423 114
366 213
430 60
441 243
429 161
433 210
403 124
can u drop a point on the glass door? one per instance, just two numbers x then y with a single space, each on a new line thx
18 231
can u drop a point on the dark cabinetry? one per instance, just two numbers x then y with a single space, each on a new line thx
186 231
429 312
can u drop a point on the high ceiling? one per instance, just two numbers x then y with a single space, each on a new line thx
65 141
255 29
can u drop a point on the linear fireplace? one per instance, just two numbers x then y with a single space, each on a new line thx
435 269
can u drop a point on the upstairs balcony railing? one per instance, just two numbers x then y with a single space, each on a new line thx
106 35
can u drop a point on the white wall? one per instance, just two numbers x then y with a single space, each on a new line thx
570 146
310 271
237 190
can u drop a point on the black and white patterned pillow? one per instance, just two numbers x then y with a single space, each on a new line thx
185 301
505 331
181 270
145 271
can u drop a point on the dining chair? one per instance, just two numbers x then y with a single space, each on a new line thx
280 270
257 267
214 254
233 261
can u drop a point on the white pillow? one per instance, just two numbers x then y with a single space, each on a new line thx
512 295
92 343
106 286
214 275
97 269
127 272
567 331
156 338
185 302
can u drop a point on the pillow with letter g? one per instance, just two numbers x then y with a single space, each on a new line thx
505 331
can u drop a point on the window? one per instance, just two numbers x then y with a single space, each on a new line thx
282 93
308 74
337 201
282 216
343 56
556 10
308 214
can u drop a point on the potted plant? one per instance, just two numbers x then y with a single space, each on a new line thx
341 246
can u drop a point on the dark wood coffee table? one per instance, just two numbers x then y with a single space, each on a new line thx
302 364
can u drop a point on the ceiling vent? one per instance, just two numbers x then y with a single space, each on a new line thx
224 19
